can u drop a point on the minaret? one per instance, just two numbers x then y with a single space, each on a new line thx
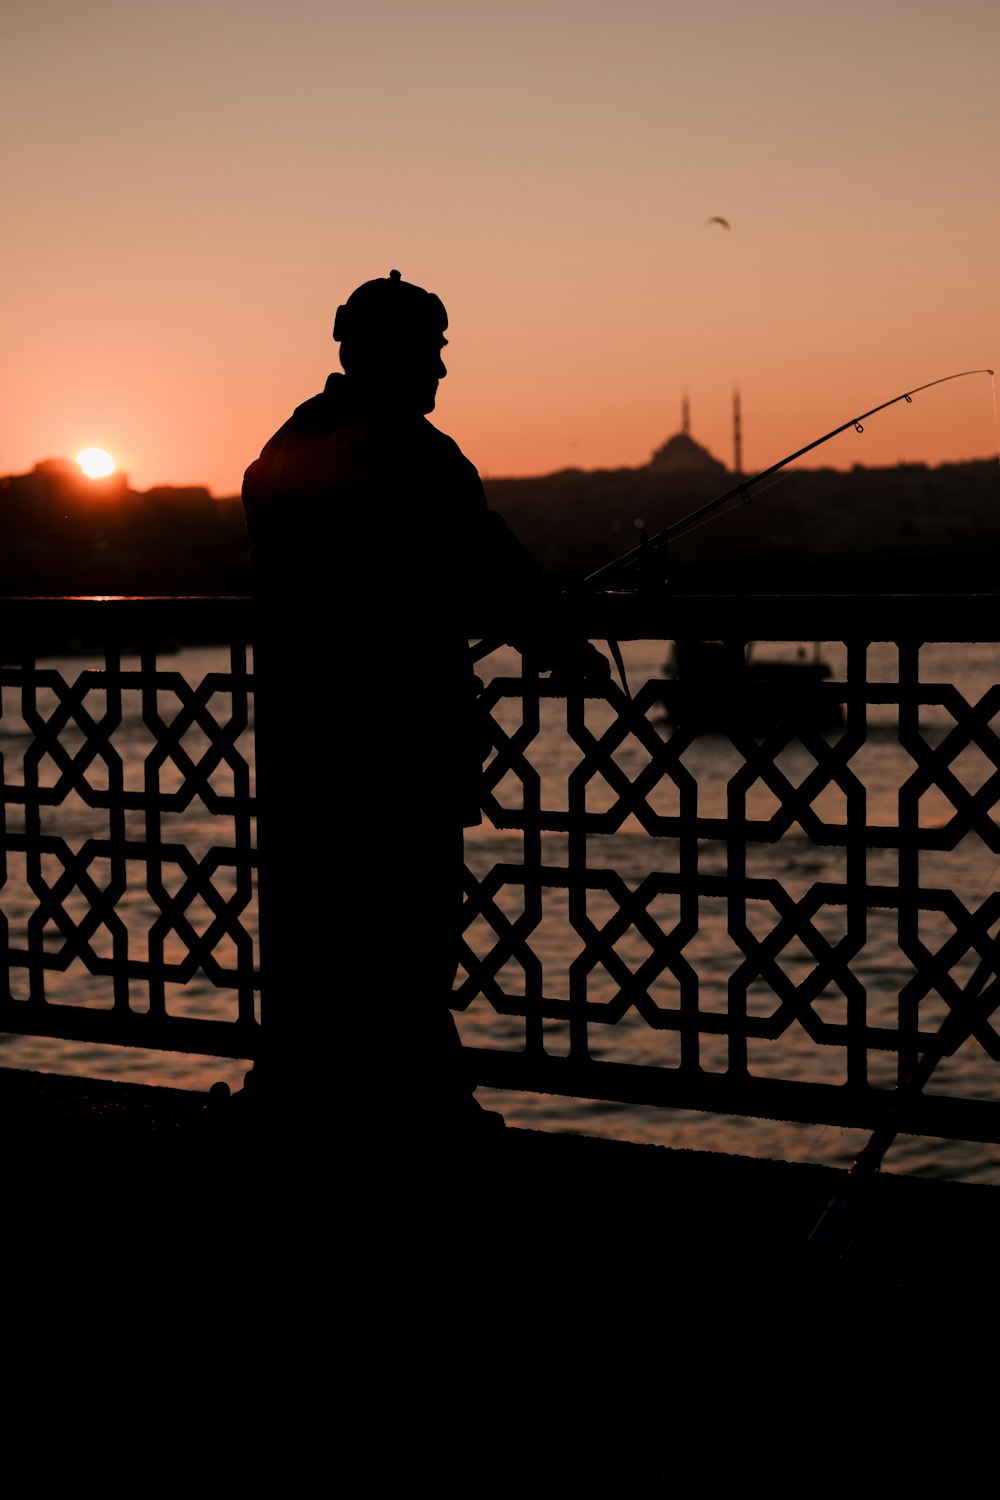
685 415
737 435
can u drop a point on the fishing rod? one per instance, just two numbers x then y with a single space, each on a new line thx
645 552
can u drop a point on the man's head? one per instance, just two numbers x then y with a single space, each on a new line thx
391 334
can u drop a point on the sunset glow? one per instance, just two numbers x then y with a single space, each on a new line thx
96 463
608 218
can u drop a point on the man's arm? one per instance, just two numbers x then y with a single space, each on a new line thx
540 618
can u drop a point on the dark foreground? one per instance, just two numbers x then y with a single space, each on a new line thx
536 1315
699 1208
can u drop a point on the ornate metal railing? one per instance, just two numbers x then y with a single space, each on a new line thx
767 916
128 875
770 919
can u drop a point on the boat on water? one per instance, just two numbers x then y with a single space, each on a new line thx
714 687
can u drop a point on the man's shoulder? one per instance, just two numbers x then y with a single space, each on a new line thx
310 422
445 449
311 418
327 443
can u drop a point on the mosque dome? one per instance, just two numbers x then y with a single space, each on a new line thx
680 454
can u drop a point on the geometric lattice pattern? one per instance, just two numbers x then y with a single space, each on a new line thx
773 922
770 920
128 851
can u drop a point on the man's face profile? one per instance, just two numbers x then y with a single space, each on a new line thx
428 370
403 374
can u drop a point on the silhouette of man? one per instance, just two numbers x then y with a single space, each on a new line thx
372 542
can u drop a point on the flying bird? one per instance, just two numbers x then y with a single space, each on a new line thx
716 219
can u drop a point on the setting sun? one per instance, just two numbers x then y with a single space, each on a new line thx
95 463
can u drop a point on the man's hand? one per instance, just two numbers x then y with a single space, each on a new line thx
580 661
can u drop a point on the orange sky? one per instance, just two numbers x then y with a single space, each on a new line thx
190 189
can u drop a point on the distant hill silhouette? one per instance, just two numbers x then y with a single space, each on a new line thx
61 533
905 529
